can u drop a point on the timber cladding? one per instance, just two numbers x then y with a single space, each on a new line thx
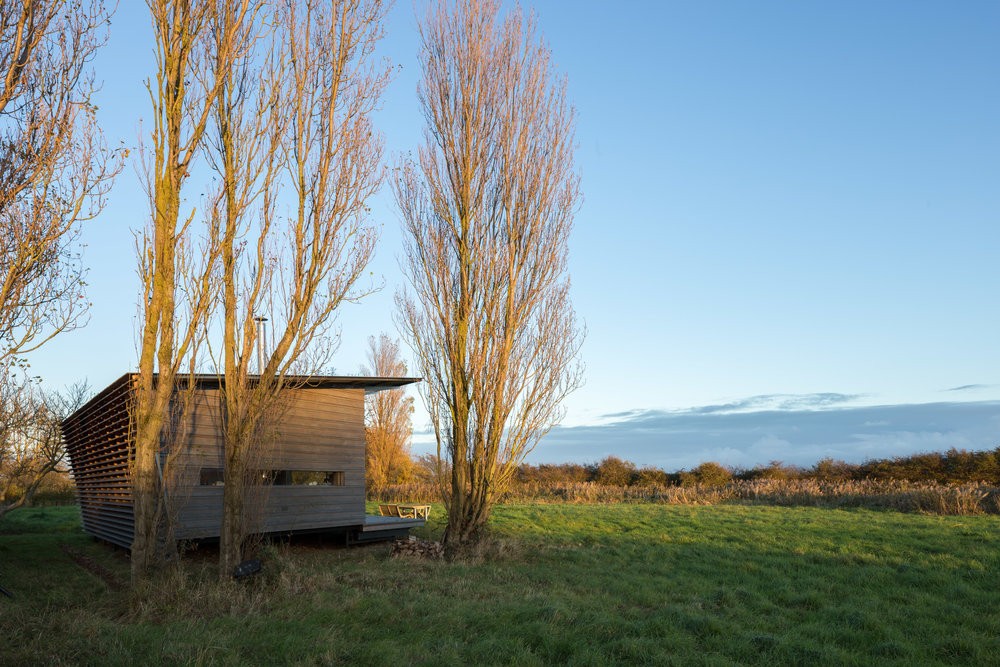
98 441
314 464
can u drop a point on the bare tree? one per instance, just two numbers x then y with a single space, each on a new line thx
55 168
31 445
388 414
243 150
488 208
292 123
171 261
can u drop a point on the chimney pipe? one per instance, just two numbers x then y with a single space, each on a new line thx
261 342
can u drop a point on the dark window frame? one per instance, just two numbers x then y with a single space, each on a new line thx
274 477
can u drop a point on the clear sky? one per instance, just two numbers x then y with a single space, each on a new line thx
789 207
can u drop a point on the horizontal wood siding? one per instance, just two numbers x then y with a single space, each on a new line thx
287 509
320 430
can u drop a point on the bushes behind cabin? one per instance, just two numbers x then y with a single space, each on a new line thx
951 482
954 466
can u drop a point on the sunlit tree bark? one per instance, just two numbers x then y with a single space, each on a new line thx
297 159
176 270
488 208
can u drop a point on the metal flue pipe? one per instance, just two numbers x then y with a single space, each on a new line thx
261 341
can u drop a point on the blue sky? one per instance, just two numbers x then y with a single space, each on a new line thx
781 199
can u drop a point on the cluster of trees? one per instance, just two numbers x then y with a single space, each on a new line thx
276 98
614 471
388 424
954 466
273 100
55 170
31 446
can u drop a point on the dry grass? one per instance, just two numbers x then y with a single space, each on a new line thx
922 497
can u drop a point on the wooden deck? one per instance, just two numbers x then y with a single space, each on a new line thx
374 523
379 528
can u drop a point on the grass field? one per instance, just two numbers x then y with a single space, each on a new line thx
576 584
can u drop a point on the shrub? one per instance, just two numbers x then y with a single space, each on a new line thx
650 476
773 470
712 474
830 470
552 473
613 471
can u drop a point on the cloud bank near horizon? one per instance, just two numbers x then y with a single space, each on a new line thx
798 430
971 387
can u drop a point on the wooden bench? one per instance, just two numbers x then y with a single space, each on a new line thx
405 511
389 510
415 511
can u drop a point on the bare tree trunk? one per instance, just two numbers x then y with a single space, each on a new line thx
294 115
182 94
488 208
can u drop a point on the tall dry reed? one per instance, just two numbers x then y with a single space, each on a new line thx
925 497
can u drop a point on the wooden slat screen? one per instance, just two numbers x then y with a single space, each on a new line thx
97 441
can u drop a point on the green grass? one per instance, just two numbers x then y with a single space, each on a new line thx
576 584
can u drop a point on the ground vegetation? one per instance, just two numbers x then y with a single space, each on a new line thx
552 584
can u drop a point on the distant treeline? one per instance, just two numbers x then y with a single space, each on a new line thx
955 466
956 482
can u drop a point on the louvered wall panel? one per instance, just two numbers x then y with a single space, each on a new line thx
97 441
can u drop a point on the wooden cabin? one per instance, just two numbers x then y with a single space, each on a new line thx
315 467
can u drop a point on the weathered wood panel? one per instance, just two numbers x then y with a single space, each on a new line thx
286 509
321 430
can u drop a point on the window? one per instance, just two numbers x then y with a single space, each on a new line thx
214 477
316 478
273 477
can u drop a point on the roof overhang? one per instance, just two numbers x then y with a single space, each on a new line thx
371 384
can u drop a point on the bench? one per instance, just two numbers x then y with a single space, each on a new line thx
405 511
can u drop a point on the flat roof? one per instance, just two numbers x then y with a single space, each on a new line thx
370 384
